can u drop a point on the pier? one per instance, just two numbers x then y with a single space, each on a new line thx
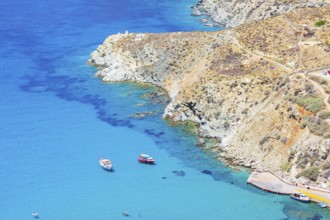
269 182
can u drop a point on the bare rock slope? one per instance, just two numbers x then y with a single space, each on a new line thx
230 13
257 88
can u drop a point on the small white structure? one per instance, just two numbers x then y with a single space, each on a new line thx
138 37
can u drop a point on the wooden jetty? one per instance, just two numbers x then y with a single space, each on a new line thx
269 182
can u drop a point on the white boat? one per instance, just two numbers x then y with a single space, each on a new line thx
125 214
322 205
300 197
35 214
105 163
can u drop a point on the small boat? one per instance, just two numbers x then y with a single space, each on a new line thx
125 214
105 163
144 158
322 205
300 197
209 24
35 215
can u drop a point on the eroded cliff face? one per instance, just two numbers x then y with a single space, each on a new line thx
256 88
231 13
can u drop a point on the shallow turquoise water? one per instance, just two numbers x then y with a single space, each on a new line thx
57 120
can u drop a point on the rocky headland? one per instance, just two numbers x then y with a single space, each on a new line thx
257 89
231 13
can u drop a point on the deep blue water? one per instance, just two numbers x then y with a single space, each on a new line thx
57 120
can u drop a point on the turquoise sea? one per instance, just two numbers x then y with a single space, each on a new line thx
57 120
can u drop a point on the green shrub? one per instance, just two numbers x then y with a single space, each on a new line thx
245 111
324 115
311 173
277 136
304 122
320 23
311 103
316 126
302 163
291 156
286 166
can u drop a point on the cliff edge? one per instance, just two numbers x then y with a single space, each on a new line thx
257 88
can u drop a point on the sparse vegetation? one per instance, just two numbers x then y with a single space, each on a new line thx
302 163
291 156
320 23
286 166
277 106
311 173
264 140
277 136
245 111
285 81
324 115
315 125
311 103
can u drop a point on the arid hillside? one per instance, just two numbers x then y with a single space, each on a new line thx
257 88
236 12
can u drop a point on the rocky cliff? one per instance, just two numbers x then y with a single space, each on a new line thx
256 88
230 13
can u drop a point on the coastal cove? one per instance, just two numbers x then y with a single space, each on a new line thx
266 108
58 120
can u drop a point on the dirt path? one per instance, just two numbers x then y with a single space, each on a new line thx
259 54
297 28
290 70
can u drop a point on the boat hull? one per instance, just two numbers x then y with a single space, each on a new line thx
146 161
300 199
106 168
144 158
322 205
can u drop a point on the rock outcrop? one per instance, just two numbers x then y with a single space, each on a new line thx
236 12
256 88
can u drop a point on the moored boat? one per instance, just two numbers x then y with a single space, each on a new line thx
322 205
145 158
105 163
125 214
300 197
35 215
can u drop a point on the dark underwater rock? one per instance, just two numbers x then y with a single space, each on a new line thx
179 173
207 172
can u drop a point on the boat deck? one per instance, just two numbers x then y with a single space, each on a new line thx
271 183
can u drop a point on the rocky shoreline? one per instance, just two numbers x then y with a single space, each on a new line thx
230 14
254 88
